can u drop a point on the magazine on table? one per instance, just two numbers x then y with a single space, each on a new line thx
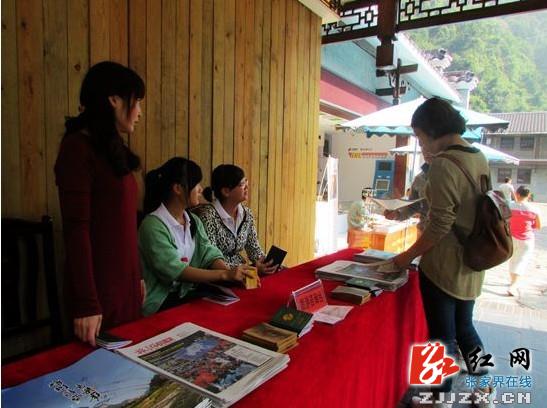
345 270
222 368
103 379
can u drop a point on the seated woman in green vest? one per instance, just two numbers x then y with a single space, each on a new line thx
173 246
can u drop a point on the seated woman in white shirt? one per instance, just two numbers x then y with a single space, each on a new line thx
173 246
229 224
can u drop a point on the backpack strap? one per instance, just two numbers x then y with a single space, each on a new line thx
463 170
459 235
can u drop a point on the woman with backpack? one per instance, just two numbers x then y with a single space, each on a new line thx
174 249
449 287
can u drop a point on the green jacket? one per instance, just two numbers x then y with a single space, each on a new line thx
161 263
452 201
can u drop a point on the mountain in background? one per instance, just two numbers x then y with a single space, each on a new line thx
507 54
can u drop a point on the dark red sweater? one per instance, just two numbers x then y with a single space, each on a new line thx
99 209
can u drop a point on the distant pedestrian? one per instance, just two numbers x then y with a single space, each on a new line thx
524 220
507 189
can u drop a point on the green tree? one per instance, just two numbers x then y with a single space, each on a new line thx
507 54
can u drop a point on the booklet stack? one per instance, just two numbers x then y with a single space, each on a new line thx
103 379
222 368
271 337
350 294
281 333
345 270
110 342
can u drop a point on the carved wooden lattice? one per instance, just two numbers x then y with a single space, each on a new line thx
353 19
359 19
420 9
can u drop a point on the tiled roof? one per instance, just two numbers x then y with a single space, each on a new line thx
524 122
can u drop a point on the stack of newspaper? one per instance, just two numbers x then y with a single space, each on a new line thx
103 379
382 273
222 368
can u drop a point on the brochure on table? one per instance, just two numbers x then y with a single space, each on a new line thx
223 368
103 379
345 270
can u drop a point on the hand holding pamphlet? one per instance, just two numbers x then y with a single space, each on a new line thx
254 281
392 204
276 255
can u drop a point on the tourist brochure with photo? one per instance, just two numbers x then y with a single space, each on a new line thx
103 379
220 367
345 270
312 299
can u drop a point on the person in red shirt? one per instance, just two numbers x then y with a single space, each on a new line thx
524 220
98 195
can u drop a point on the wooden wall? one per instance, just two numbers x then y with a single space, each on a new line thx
228 81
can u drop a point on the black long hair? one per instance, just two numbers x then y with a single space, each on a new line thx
101 81
437 117
224 176
159 182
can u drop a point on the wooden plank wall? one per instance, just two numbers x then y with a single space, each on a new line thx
228 81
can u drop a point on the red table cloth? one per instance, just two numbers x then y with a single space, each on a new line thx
359 362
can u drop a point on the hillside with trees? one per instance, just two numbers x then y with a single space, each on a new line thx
507 54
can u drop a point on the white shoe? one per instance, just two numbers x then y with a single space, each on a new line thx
482 399
417 403
513 291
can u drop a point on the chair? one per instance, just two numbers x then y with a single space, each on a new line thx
28 270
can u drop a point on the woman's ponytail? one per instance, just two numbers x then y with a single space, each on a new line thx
155 186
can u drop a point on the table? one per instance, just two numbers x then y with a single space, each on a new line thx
360 362
395 237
